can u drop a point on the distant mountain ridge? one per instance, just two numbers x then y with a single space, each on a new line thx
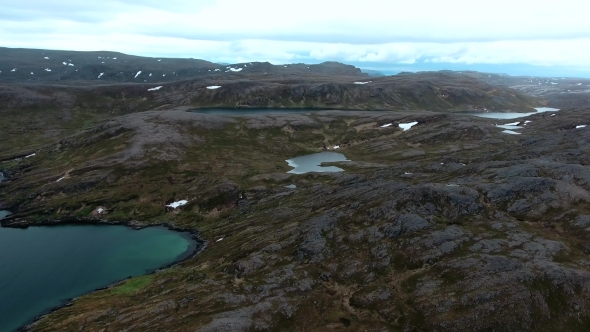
98 67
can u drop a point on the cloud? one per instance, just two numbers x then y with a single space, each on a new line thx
371 31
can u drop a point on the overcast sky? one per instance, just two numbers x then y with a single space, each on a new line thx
368 33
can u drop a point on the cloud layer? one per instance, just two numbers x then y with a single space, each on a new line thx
540 33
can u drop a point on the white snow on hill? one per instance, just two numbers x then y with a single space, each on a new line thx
156 88
177 204
407 126
213 87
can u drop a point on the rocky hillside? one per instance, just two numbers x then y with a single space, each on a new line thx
558 92
72 67
38 114
452 225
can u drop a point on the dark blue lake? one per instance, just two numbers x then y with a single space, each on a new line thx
257 111
41 267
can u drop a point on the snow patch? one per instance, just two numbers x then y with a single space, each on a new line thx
511 132
99 76
31 155
407 126
156 88
177 204
362 82
47 69
138 73
46 58
100 210
213 87
580 126
220 239
236 69
13 70
150 74
65 63
513 124
32 73
60 179
336 147
71 64
387 125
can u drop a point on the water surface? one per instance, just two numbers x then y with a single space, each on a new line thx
41 267
256 111
510 115
312 162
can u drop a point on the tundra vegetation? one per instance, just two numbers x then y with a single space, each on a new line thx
449 225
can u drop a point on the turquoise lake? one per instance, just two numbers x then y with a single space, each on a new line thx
42 267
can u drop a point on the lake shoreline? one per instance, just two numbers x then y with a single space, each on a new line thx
199 245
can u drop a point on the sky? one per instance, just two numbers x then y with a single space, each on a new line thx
524 37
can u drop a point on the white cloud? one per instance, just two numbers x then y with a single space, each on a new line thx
451 31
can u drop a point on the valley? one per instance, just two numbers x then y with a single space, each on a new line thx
431 218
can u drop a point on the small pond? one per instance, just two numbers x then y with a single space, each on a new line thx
311 163
42 267
510 115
